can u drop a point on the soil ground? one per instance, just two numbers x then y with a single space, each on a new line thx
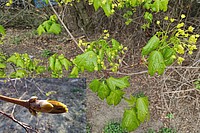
172 93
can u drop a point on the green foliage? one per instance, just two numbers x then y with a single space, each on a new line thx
109 6
86 61
197 84
136 114
50 26
113 127
111 90
56 64
168 44
25 65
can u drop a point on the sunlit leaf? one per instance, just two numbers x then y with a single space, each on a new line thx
55 28
142 105
152 44
94 85
87 61
40 30
97 4
2 65
156 63
118 82
103 91
130 121
115 97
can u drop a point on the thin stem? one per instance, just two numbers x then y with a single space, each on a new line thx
64 25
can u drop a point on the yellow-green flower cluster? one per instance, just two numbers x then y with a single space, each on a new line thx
106 34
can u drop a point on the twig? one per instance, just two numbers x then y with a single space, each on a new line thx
64 25
24 125
130 74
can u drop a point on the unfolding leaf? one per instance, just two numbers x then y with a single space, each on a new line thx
152 44
148 16
40 30
142 105
118 82
52 60
55 28
58 66
86 60
156 63
74 72
103 91
47 24
65 62
94 85
115 97
129 120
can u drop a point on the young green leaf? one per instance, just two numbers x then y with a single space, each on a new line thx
52 60
97 4
87 61
55 28
74 72
120 82
12 59
40 30
107 8
115 97
20 73
148 16
65 62
58 66
167 54
2 30
94 85
2 65
142 105
129 120
156 63
152 44
164 4
47 24
20 62
103 91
